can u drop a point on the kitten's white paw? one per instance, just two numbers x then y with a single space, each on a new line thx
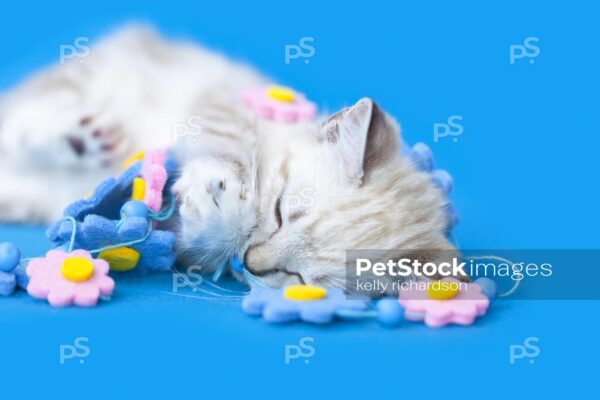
217 211
49 129
211 194
94 144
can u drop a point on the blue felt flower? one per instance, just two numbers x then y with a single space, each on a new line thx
12 275
98 223
96 232
108 198
9 281
422 157
110 195
274 307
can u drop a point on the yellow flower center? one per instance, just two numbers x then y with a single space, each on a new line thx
120 259
77 269
139 188
442 290
304 292
135 157
281 93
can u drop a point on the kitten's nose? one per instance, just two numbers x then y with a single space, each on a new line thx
260 258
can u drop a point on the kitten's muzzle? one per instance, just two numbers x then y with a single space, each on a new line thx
260 260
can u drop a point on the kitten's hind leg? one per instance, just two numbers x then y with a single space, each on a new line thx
28 194
58 137
62 117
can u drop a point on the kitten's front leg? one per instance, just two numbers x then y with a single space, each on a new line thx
217 212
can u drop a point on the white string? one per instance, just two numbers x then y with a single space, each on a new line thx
252 279
230 298
216 286
198 288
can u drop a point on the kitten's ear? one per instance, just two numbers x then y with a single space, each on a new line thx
363 138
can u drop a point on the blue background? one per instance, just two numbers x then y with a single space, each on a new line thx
525 170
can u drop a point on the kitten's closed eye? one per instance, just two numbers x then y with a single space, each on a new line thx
286 208
296 215
278 212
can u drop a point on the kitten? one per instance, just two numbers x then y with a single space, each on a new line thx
289 199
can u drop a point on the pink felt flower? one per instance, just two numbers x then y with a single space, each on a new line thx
461 309
279 104
154 174
69 278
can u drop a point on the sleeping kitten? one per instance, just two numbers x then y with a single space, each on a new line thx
289 199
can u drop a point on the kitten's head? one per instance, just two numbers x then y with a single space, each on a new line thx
338 186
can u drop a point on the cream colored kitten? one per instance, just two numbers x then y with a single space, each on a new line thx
288 198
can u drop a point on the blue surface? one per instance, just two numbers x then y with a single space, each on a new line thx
525 172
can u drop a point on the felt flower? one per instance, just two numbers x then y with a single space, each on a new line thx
95 232
22 278
422 158
10 280
98 221
11 273
8 283
444 302
154 174
279 104
106 199
69 278
297 304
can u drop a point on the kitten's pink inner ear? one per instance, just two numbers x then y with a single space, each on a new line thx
350 138
383 141
362 137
